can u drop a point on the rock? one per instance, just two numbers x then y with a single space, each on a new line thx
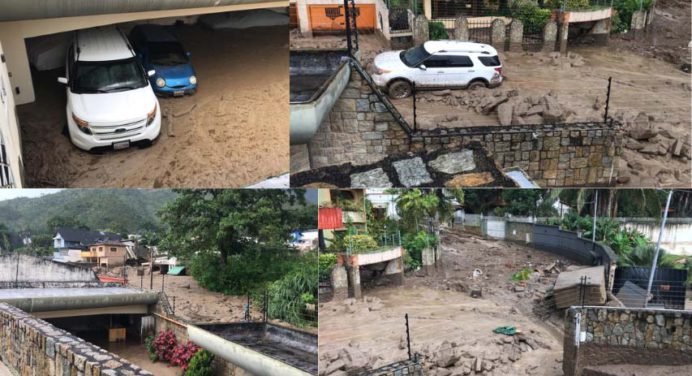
446 358
649 149
334 366
476 292
453 163
488 104
553 113
519 288
472 179
412 172
354 359
443 372
522 108
504 113
633 145
372 178
640 133
441 93
623 179
478 366
676 148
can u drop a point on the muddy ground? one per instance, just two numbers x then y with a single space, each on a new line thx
650 97
236 135
446 320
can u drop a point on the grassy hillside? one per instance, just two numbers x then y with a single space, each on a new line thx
118 210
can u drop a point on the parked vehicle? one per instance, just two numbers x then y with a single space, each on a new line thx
158 49
438 64
109 100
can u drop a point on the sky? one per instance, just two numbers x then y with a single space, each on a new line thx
8 194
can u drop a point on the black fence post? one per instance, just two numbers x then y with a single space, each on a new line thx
266 305
408 338
413 94
347 16
607 104
163 279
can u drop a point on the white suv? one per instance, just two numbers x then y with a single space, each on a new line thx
438 64
110 103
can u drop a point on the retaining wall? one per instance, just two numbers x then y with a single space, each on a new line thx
607 335
31 346
30 269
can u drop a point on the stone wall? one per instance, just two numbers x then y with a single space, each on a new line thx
607 335
31 346
552 155
359 129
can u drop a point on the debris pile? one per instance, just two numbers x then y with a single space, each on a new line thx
350 360
510 107
498 356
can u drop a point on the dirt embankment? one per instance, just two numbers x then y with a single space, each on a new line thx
235 135
453 332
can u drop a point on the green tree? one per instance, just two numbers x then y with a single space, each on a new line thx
4 238
235 240
59 221
414 205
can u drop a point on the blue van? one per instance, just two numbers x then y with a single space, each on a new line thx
158 49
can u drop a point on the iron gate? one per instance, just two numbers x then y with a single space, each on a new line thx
398 19
480 30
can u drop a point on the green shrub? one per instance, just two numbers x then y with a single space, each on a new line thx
569 4
624 9
288 296
522 275
410 263
414 243
200 364
327 262
533 17
437 31
151 351
360 243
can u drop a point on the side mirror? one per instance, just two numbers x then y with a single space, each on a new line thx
62 80
151 73
423 67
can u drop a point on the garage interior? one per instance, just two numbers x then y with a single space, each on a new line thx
231 133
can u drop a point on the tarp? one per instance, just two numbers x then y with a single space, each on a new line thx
330 218
176 270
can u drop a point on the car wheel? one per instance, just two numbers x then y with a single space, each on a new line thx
399 89
476 85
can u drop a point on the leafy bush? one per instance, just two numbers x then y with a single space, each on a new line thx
151 350
200 364
437 31
533 17
182 353
410 263
522 275
287 296
624 9
327 262
414 243
360 243
164 344
569 4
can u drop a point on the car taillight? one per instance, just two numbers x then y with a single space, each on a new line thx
499 70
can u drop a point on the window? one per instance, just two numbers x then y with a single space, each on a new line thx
107 76
113 249
460 61
100 249
490 61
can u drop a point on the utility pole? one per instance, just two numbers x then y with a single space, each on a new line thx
151 268
658 248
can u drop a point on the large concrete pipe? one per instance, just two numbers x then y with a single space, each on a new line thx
252 361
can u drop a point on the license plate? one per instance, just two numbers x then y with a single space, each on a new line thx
179 93
121 145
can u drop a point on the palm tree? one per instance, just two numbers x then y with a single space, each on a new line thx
643 255
414 204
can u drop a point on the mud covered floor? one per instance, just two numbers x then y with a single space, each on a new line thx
648 92
236 135
444 316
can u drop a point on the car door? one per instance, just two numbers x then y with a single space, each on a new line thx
462 70
432 71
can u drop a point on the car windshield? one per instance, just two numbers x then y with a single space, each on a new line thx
107 76
413 56
167 53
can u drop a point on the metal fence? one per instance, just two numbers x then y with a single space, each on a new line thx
667 290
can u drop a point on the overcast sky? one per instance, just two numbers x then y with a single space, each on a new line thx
8 194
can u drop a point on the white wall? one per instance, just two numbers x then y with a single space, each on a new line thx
9 131
677 237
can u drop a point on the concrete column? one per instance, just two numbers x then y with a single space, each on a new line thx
601 32
18 66
395 268
562 35
498 34
516 35
638 23
354 282
340 282
427 9
303 18
549 36
421 33
461 29
428 260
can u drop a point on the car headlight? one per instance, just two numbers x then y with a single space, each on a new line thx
160 82
193 80
82 124
152 115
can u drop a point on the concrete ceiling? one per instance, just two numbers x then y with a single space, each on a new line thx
15 10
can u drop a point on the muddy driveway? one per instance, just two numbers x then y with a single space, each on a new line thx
236 135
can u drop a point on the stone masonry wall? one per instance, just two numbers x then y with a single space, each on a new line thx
360 130
612 335
31 347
